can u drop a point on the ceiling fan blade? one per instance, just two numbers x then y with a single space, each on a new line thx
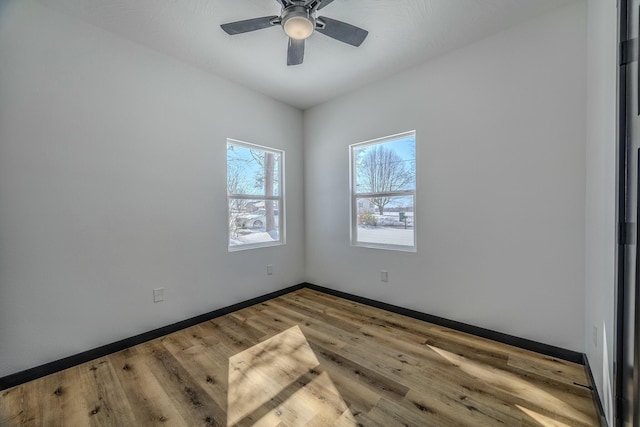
342 31
247 25
295 52
324 3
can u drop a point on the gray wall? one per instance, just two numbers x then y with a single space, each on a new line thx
112 169
112 183
600 196
501 183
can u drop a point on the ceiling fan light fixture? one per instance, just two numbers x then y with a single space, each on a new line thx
298 24
298 20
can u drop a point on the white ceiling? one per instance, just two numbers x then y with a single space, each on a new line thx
402 33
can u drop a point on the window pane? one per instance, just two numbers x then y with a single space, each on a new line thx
385 220
253 171
389 166
253 221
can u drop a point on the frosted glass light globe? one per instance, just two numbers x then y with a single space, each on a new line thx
298 27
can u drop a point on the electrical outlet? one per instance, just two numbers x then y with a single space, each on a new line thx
384 276
595 336
269 270
158 294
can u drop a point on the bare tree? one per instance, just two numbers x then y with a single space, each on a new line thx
264 180
382 170
238 181
269 173
236 184
267 177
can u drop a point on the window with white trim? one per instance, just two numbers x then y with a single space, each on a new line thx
383 192
255 195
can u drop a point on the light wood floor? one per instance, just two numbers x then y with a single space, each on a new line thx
309 359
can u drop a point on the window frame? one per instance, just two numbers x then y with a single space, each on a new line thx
280 198
355 196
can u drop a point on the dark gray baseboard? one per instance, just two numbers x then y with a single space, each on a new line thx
546 349
86 356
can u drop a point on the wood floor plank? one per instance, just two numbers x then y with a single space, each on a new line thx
524 391
552 369
358 372
248 312
192 402
430 381
269 327
149 401
210 376
310 359
58 395
397 324
390 413
104 399
310 312
330 333
21 405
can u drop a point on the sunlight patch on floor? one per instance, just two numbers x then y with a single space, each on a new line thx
279 381
543 420
514 385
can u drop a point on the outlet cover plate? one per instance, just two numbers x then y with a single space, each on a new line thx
158 295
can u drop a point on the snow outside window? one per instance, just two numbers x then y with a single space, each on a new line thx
255 195
383 192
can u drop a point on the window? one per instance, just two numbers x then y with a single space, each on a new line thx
383 192
255 194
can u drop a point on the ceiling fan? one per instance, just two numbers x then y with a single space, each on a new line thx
298 20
